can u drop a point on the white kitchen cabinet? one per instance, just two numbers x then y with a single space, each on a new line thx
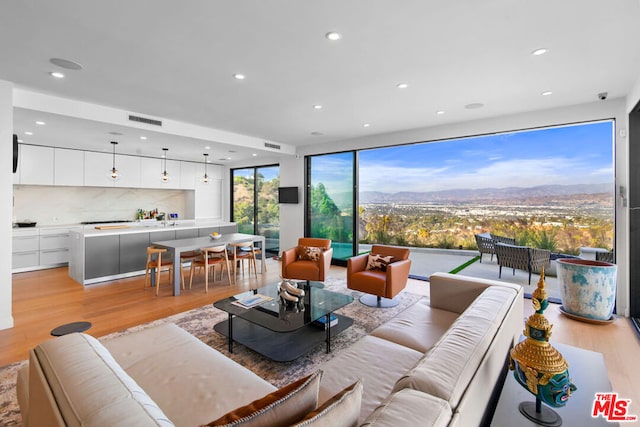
190 172
151 173
25 249
173 169
96 169
68 167
36 165
208 199
129 166
150 170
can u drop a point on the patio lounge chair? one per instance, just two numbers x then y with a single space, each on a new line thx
521 257
486 242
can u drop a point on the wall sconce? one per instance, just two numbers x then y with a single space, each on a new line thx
165 175
205 178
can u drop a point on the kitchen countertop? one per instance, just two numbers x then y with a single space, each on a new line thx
89 230
131 228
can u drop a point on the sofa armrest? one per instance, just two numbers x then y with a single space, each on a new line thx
397 275
357 263
455 292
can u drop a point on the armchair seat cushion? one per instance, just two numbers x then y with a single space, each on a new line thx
369 281
303 268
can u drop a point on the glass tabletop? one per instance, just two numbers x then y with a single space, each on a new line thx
279 316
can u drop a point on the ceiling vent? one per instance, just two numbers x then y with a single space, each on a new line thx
270 145
145 120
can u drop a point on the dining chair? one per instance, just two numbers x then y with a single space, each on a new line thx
239 253
209 258
157 263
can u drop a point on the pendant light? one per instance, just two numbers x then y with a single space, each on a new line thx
114 172
205 178
165 175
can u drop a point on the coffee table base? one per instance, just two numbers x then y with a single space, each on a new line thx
280 346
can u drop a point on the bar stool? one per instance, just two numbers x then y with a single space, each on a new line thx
155 262
209 258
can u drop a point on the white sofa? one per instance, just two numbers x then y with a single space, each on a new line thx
437 363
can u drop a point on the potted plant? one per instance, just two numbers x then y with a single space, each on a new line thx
588 288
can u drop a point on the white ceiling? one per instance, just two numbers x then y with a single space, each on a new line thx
176 60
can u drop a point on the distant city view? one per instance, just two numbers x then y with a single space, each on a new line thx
551 188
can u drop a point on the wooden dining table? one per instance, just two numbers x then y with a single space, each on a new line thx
176 247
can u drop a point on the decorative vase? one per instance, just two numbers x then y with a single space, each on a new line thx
588 288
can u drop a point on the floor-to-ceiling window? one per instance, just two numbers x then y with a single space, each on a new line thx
330 201
551 188
255 205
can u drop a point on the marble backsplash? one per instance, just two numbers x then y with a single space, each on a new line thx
50 205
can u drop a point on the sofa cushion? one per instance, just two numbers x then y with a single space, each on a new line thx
89 386
446 370
362 361
418 327
342 410
179 371
409 407
282 407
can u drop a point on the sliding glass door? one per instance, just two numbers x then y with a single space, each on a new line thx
255 203
330 201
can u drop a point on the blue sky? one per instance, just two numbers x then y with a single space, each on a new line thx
577 154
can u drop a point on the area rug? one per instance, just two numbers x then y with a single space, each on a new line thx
200 322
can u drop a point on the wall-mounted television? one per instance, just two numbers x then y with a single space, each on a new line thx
288 195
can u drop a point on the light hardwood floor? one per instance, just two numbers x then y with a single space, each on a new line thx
45 299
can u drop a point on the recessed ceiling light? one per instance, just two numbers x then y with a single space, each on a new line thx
144 138
547 93
56 74
474 106
28 133
333 36
539 52
207 148
232 151
402 85
115 133
366 125
253 154
40 123
239 76
318 107
228 158
65 63
316 133
439 112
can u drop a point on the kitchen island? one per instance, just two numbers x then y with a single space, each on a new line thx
119 251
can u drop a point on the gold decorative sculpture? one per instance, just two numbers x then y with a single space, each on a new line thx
539 367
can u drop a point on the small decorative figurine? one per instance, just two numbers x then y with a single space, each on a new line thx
539 367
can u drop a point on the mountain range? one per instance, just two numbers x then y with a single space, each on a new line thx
486 194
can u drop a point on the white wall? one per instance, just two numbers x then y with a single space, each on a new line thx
6 191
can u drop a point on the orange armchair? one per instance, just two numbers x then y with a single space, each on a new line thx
295 266
379 283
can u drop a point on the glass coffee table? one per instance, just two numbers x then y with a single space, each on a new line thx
283 331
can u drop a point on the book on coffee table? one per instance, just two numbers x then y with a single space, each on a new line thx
322 322
252 300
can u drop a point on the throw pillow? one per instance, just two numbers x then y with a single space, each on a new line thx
378 262
282 407
342 410
310 253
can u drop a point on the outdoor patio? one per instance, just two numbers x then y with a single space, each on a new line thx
428 261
